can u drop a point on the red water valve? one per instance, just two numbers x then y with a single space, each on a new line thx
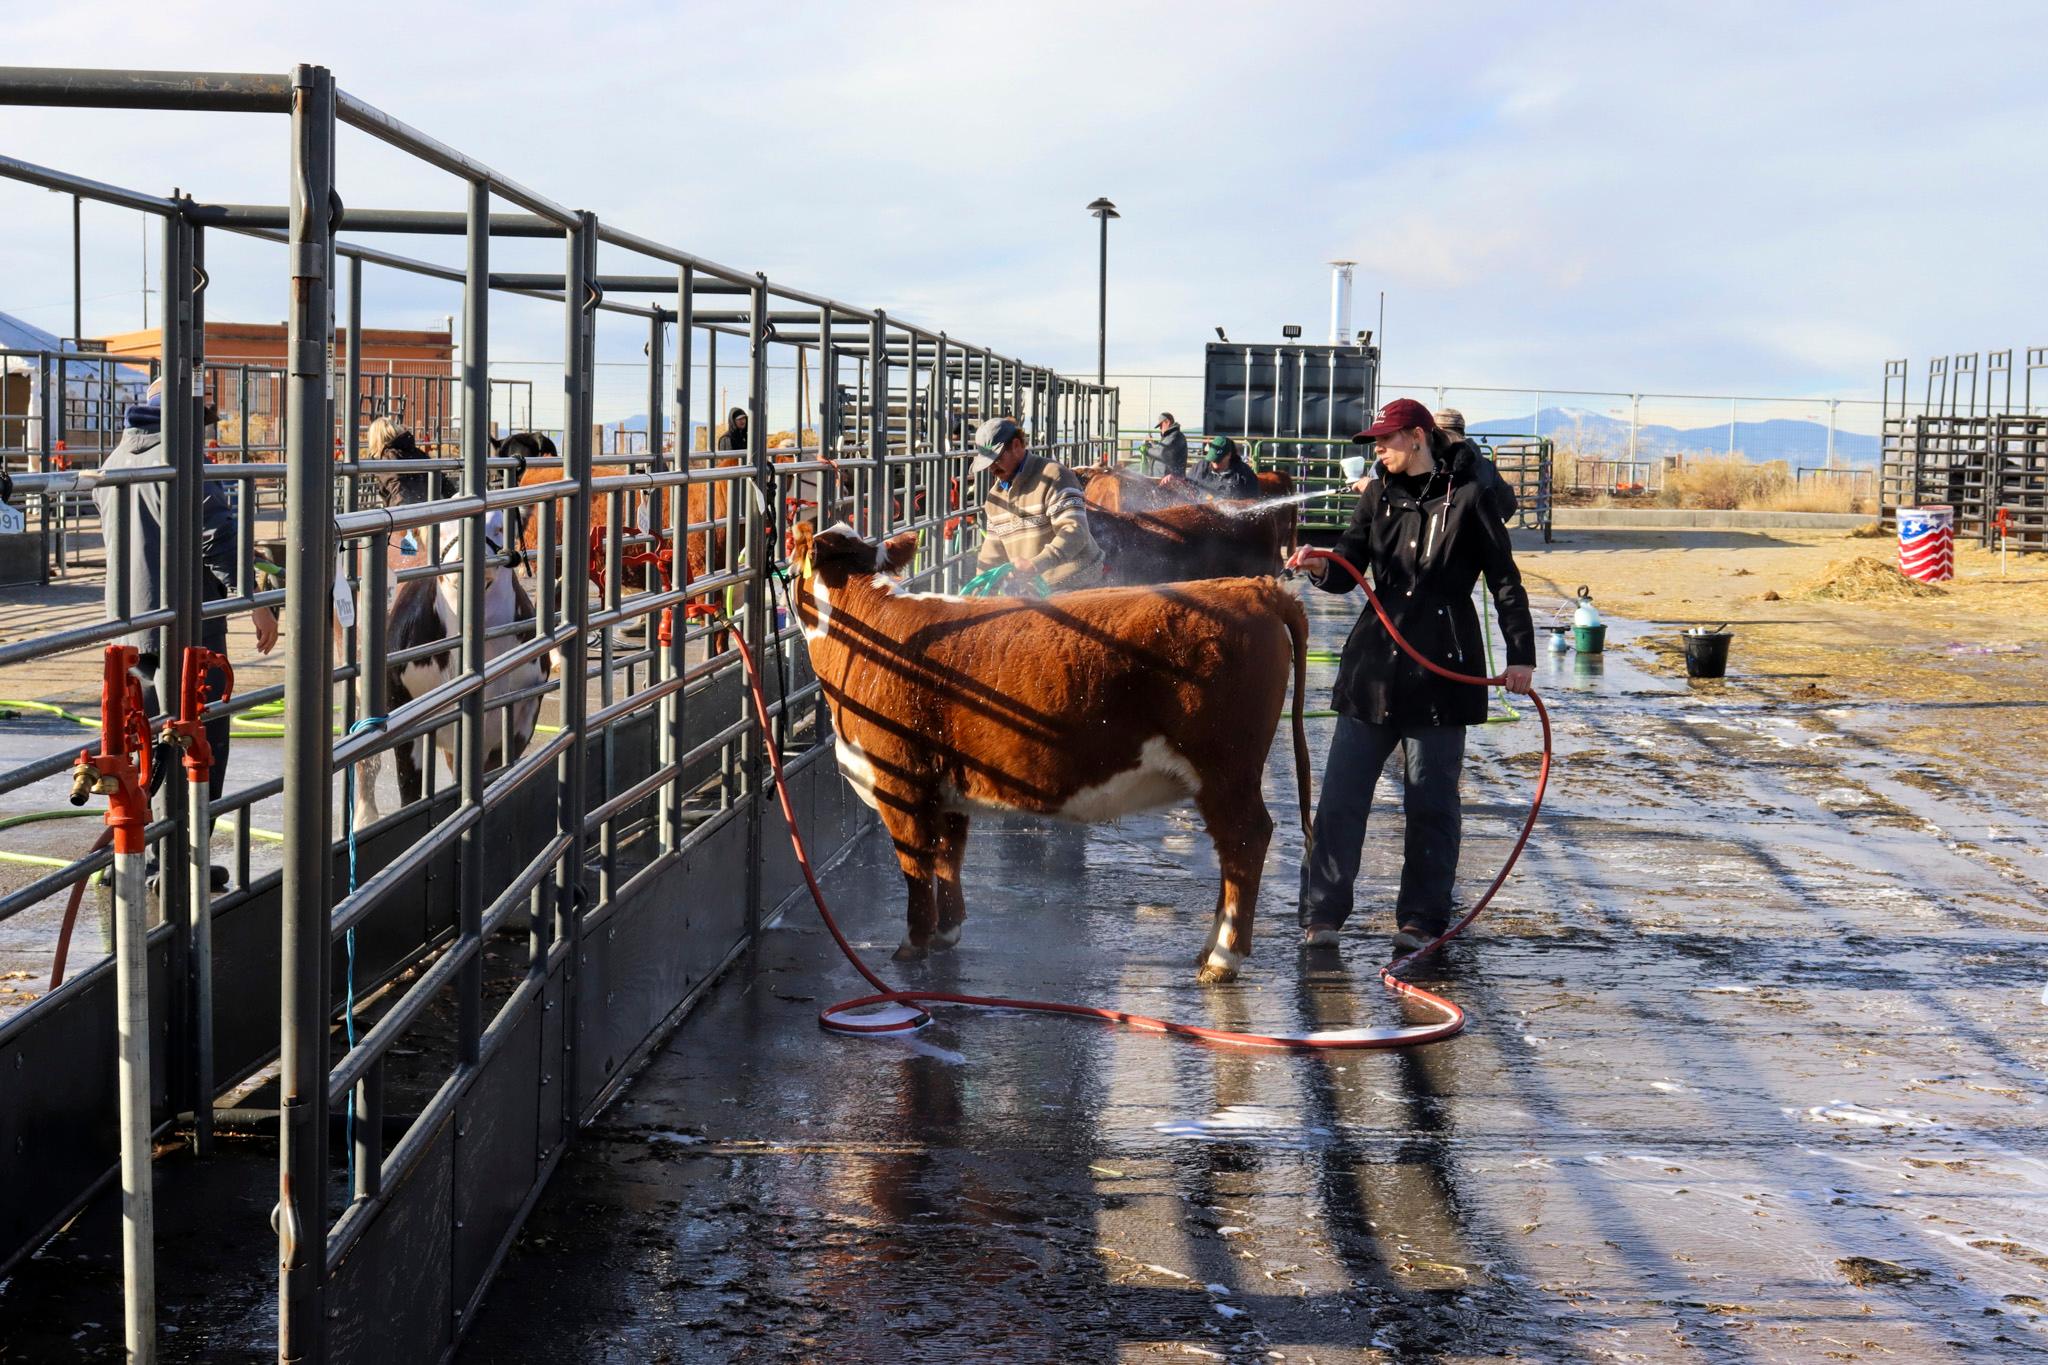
121 770
187 731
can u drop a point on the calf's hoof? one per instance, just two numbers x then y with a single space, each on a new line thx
1219 965
907 951
945 938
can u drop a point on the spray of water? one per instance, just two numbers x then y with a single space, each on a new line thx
1252 509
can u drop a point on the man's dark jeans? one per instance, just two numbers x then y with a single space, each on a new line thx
1435 818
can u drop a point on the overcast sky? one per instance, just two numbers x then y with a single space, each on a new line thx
1763 198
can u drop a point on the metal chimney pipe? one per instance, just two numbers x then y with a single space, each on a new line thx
1340 302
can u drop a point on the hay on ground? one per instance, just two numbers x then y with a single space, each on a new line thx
1864 579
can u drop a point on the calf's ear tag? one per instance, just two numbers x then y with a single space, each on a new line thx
344 600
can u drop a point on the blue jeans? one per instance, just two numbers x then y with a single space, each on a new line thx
1435 819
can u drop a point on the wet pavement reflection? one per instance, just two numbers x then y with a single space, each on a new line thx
1755 1072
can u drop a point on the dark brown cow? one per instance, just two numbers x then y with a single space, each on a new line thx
1086 706
1119 490
1189 541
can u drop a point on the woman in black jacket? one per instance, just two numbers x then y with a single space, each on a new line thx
1425 532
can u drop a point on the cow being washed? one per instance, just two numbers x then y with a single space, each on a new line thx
1085 706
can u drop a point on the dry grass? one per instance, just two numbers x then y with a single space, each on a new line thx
1822 495
1712 481
1723 483
1864 579
1728 483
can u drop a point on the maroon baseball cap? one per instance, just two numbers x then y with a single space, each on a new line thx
1398 415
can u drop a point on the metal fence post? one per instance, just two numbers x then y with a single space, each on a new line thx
47 436
579 297
302 1152
654 396
676 521
198 938
942 445
760 525
877 509
182 583
829 490
476 425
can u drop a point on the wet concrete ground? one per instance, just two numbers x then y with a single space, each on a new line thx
1754 1073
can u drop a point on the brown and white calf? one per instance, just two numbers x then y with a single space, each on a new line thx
1085 706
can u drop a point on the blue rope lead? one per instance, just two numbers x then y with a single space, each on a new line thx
348 1018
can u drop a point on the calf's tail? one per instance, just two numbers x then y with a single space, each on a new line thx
1297 628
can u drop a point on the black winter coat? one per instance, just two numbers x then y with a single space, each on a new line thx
1423 556
1172 450
735 435
1233 480
1498 493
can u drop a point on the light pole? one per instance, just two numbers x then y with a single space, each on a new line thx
1105 211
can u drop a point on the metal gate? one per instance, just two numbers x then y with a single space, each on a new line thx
461 982
1982 452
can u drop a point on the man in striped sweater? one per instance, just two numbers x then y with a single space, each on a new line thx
1035 517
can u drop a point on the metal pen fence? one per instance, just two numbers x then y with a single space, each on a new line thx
529 930
1315 466
1634 428
70 413
1971 443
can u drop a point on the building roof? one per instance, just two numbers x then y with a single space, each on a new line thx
16 335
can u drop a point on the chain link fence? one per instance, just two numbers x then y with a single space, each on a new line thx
1610 443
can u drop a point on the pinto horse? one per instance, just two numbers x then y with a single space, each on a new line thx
424 610
427 611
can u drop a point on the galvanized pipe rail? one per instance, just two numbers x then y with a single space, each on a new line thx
659 778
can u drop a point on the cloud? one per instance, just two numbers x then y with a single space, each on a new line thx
1631 199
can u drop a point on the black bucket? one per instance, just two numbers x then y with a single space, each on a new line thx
1706 653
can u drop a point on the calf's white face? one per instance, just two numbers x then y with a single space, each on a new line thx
825 562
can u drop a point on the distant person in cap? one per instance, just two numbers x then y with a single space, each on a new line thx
1171 448
1034 515
1499 495
1425 532
1223 472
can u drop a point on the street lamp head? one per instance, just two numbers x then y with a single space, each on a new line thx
1102 208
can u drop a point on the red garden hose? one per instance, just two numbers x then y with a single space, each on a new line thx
908 1015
